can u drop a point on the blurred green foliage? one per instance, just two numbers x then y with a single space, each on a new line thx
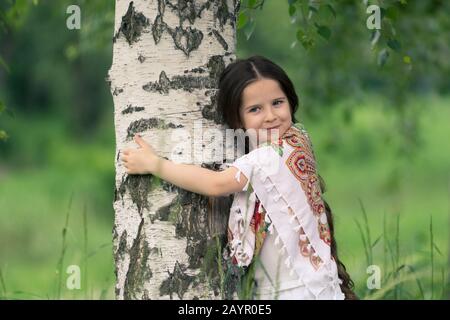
55 70
411 46
378 122
409 54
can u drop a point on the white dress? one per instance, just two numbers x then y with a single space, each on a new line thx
273 278
294 260
274 281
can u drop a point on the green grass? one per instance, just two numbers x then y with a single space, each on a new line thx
41 167
414 188
34 200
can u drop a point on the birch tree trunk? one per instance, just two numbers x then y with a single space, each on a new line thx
167 57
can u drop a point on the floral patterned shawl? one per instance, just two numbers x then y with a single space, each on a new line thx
283 192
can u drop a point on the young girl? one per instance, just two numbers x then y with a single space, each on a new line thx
275 184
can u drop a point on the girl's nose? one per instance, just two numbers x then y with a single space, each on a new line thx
270 116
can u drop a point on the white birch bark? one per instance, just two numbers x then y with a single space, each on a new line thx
167 57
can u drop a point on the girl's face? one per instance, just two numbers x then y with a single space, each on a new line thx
265 106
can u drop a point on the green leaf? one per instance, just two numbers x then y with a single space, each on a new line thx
330 7
292 10
407 59
71 52
324 31
437 249
4 65
242 20
394 44
2 106
314 9
3 135
382 57
382 13
274 145
251 3
291 2
300 35
376 241
306 42
278 149
249 28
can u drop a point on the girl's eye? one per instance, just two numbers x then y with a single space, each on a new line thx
281 101
253 109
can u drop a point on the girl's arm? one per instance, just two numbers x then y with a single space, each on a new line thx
186 176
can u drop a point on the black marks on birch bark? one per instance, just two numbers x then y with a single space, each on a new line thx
158 28
131 109
117 91
141 58
188 82
133 23
185 10
115 252
237 6
108 81
162 213
139 271
191 82
122 246
168 212
220 39
185 82
209 110
178 282
215 65
161 86
192 224
138 186
120 249
155 251
142 125
196 70
221 13
168 186
200 220
217 226
187 39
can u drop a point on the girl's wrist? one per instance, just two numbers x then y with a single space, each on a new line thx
154 166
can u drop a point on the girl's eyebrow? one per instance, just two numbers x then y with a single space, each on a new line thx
257 105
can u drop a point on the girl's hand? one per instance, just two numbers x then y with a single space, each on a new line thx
142 160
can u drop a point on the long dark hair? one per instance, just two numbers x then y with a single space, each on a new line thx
238 75
347 283
233 80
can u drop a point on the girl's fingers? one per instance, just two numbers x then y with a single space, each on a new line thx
140 142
